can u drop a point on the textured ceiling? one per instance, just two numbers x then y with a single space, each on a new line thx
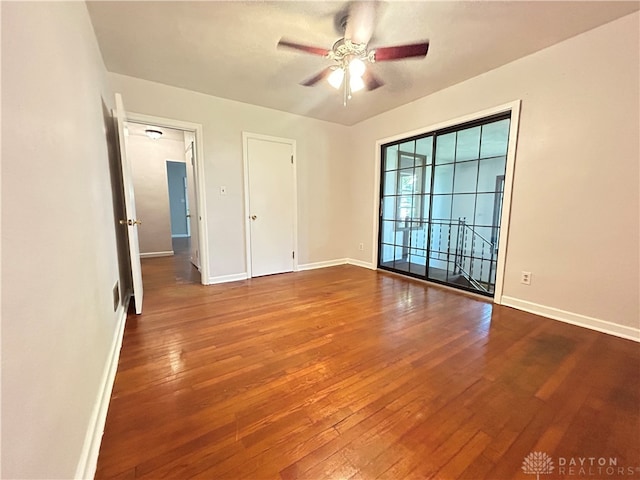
228 49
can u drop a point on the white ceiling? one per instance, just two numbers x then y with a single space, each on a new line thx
228 49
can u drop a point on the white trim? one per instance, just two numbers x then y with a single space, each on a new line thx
584 321
514 108
201 200
167 253
336 262
88 462
247 212
325 264
360 263
503 240
180 235
228 278
294 152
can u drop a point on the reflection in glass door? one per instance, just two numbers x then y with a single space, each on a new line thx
441 199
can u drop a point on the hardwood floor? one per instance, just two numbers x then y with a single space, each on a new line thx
345 373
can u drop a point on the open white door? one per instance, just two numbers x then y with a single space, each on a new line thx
131 221
192 213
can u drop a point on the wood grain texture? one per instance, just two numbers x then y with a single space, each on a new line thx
347 373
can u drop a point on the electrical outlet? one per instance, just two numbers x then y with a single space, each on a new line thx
525 278
361 247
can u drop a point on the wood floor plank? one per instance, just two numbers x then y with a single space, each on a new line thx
345 373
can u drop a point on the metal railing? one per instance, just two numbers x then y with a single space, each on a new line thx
473 246
453 242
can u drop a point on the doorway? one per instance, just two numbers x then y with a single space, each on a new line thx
176 146
178 199
270 204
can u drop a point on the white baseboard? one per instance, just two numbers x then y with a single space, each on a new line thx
88 462
333 263
180 235
168 253
360 263
325 264
306 266
603 326
228 278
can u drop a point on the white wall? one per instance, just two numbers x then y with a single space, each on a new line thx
575 214
148 160
59 261
322 168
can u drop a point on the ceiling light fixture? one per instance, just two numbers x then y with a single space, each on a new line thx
356 67
356 84
350 58
335 78
153 133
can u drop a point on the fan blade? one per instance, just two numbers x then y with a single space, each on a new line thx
401 51
361 21
323 52
371 82
316 78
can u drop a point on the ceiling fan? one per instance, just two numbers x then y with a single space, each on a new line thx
351 53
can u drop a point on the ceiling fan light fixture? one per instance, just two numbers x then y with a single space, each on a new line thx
356 68
356 83
335 78
153 133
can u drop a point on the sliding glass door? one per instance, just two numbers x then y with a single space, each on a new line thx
441 201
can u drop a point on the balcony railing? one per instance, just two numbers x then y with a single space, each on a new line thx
456 247
472 246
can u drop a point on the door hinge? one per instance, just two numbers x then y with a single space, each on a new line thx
293 254
291 158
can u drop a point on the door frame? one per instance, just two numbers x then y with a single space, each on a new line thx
198 159
246 136
514 108
186 206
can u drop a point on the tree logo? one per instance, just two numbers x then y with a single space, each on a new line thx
537 463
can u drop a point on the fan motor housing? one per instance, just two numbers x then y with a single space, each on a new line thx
344 48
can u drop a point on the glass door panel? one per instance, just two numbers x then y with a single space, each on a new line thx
440 214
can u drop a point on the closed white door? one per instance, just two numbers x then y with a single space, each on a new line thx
271 202
131 222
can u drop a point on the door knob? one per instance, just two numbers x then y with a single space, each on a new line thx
130 222
253 217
